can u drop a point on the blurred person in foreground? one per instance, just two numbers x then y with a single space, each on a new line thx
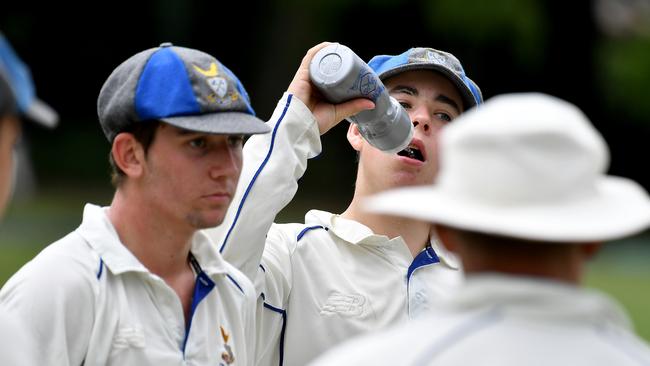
523 199
138 283
338 275
18 102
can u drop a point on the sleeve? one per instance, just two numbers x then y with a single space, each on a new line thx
54 304
273 163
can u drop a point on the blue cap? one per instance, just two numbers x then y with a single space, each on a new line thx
17 88
180 86
430 59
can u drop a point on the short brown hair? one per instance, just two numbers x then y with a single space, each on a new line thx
144 132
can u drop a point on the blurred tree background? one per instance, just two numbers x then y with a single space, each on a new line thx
595 54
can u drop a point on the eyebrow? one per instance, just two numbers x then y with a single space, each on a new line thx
414 92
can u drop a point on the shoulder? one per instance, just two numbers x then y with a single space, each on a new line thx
68 263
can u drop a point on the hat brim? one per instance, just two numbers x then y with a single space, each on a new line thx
465 92
618 209
223 123
42 114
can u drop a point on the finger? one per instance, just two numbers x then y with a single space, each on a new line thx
352 107
312 51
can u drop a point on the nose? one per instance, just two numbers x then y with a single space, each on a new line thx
422 120
227 162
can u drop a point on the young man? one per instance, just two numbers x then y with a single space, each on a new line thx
523 199
138 283
336 276
17 101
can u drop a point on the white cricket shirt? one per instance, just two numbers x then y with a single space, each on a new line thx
329 279
504 320
87 300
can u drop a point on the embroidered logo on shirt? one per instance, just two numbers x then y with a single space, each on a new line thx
226 354
343 304
127 337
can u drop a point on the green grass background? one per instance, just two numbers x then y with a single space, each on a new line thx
620 269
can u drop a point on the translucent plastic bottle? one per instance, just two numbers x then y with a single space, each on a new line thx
340 75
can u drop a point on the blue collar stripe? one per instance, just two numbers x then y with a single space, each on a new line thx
202 288
305 230
426 257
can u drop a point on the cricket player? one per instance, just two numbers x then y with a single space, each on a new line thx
523 199
17 102
138 283
338 275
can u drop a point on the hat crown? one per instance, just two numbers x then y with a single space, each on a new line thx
167 82
423 58
522 149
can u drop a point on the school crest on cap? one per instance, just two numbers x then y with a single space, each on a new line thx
217 83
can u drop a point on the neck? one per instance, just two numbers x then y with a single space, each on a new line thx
415 233
558 262
158 244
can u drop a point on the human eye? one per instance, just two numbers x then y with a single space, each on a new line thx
446 117
236 140
405 105
198 143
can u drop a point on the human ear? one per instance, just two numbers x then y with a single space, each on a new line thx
445 236
354 137
128 154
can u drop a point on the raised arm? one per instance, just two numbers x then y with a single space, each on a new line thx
273 163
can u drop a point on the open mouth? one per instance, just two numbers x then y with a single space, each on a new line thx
413 153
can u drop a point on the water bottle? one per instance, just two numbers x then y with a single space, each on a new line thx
340 75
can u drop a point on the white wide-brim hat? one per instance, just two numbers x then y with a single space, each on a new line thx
527 166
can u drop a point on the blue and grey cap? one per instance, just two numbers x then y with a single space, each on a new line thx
180 86
17 92
431 59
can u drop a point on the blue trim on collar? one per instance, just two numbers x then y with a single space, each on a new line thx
202 287
283 313
426 257
101 268
257 173
305 230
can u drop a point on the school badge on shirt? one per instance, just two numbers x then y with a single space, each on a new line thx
226 354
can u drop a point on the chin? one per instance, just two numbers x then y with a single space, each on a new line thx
205 221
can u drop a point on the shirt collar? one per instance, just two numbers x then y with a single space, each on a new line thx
100 234
356 233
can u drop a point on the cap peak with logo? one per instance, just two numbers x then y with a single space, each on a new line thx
17 92
180 86
423 58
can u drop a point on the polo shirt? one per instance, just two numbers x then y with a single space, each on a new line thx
505 320
325 280
86 299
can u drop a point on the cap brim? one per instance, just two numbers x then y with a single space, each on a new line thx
465 92
42 114
620 208
223 123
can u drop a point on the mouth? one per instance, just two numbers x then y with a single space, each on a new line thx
413 152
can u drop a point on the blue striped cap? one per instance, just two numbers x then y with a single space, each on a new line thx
180 86
429 58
